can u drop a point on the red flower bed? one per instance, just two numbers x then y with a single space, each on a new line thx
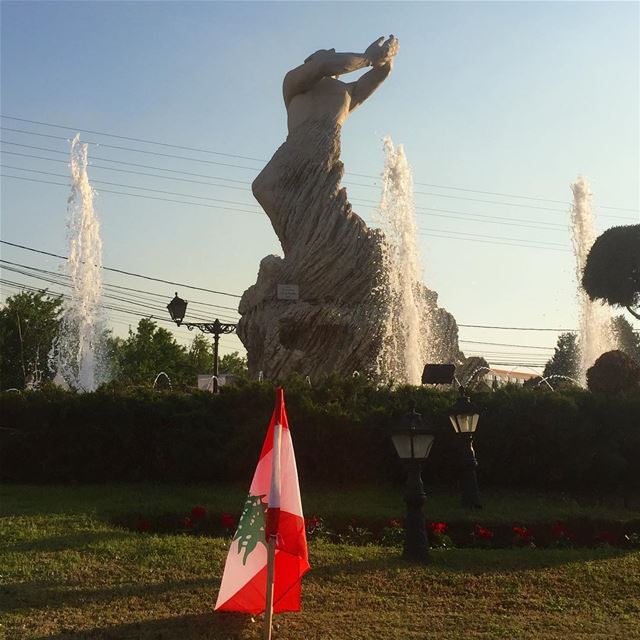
143 525
198 513
390 532
482 533
438 528
228 521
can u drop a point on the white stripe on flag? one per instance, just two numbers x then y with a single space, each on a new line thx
274 492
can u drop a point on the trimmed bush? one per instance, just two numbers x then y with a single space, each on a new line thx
563 440
613 372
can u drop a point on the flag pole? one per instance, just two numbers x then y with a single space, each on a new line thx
273 513
268 611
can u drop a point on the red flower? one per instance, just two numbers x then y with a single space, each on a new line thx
142 525
186 523
313 522
559 532
522 532
395 524
438 528
482 533
228 521
606 537
198 512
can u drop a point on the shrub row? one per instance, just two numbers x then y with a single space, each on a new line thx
563 440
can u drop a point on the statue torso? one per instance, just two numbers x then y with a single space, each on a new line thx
328 97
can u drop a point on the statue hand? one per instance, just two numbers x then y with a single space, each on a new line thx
373 50
382 51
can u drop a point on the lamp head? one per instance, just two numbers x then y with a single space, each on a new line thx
464 415
412 438
177 309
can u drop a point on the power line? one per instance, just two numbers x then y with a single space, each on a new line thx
528 365
131 139
480 235
138 195
131 186
149 305
126 273
140 173
145 314
209 151
64 280
155 153
22 286
485 326
454 234
474 326
130 164
150 153
462 215
183 195
504 244
501 344
117 286
364 202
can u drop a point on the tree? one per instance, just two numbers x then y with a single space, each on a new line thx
613 372
28 324
147 352
200 355
612 271
234 363
627 340
565 359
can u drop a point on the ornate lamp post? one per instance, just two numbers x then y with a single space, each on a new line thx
413 441
464 418
177 309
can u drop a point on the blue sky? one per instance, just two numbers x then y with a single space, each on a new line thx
515 98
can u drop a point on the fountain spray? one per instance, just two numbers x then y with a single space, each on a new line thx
74 353
406 337
595 319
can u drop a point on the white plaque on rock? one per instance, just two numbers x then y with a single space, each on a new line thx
288 292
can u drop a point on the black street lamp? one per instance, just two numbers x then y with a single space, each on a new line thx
464 417
177 309
413 441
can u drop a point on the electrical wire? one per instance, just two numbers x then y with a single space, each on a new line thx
22 286
126 273
210 207
115 286
121 271
371 204
209 151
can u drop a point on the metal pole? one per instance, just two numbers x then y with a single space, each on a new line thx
268 610
470 489
416 543
216 338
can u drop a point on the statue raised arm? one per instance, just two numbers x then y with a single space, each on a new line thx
313 90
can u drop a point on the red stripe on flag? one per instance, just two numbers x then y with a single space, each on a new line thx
271 526
290 565
279 416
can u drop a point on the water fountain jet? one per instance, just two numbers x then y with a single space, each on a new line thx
594 319
75 351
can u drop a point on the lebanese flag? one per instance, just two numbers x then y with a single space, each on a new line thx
273 507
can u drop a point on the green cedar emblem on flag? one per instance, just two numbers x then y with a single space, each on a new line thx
251 526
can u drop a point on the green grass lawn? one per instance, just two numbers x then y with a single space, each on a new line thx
66 572
501 507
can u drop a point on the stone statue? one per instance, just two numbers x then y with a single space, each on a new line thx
329 252
317 106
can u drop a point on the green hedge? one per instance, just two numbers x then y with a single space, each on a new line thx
563 440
